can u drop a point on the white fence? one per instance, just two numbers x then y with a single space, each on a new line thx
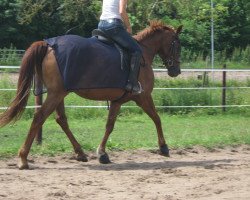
165 70
157 71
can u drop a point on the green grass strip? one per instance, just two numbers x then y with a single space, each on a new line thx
132 132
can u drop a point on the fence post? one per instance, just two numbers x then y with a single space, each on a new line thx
224 84
38 102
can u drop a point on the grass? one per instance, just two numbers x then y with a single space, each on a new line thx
132 132
161 98
185 127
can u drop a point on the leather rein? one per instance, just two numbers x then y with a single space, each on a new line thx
169 62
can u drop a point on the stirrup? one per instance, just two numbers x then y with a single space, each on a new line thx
136 92
131 88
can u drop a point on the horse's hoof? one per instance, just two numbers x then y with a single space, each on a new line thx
104 159
23 166
164 150
82 158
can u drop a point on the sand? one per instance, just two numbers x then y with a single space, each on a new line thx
195 173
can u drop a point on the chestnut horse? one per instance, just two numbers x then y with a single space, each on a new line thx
39 60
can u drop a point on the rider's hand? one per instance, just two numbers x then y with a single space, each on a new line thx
129 29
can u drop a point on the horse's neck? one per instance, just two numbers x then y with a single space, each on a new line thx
151 46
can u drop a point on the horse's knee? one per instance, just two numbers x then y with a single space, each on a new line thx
62 121
38 118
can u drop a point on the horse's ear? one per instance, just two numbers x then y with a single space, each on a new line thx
179 29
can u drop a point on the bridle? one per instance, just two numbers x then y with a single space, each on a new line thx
169 62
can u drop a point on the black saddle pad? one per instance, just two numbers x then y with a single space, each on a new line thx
87 63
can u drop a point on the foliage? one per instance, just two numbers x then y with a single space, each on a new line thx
239 59
9 28
39 20
186 97
10 56
24 21
82 14
5 98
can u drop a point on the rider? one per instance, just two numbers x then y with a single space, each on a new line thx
115 23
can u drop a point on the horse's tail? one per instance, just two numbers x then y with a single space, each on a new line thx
31 64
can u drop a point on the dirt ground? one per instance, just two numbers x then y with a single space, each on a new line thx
239 76
195 173
217 76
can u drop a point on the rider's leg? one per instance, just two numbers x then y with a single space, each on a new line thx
133 83
126 41
118 33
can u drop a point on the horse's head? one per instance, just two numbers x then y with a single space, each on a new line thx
170 51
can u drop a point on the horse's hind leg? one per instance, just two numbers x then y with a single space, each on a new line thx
47 108
61 119
147 104
102 155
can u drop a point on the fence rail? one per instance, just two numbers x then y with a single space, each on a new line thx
188 88
158 70
214 106
9 67
165 70
206 70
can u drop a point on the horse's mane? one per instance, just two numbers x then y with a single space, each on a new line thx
155 25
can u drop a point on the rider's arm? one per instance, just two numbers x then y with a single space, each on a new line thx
124 15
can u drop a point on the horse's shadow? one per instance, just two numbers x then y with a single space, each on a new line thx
133 165
207 164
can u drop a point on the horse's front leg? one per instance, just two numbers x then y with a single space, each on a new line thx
147 104
101 152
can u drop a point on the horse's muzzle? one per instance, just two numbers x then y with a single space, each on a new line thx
174 71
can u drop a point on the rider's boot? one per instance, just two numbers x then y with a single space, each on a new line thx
133 84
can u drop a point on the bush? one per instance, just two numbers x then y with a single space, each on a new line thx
10 56
240 59
6 96
192 97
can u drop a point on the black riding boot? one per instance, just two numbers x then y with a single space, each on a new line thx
133 84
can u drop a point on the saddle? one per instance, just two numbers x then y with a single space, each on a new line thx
88 63
125 55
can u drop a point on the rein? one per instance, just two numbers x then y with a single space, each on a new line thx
170 61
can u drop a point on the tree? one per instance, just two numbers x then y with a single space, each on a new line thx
238 34
83 14
43 19
25 21
39 20
9 28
